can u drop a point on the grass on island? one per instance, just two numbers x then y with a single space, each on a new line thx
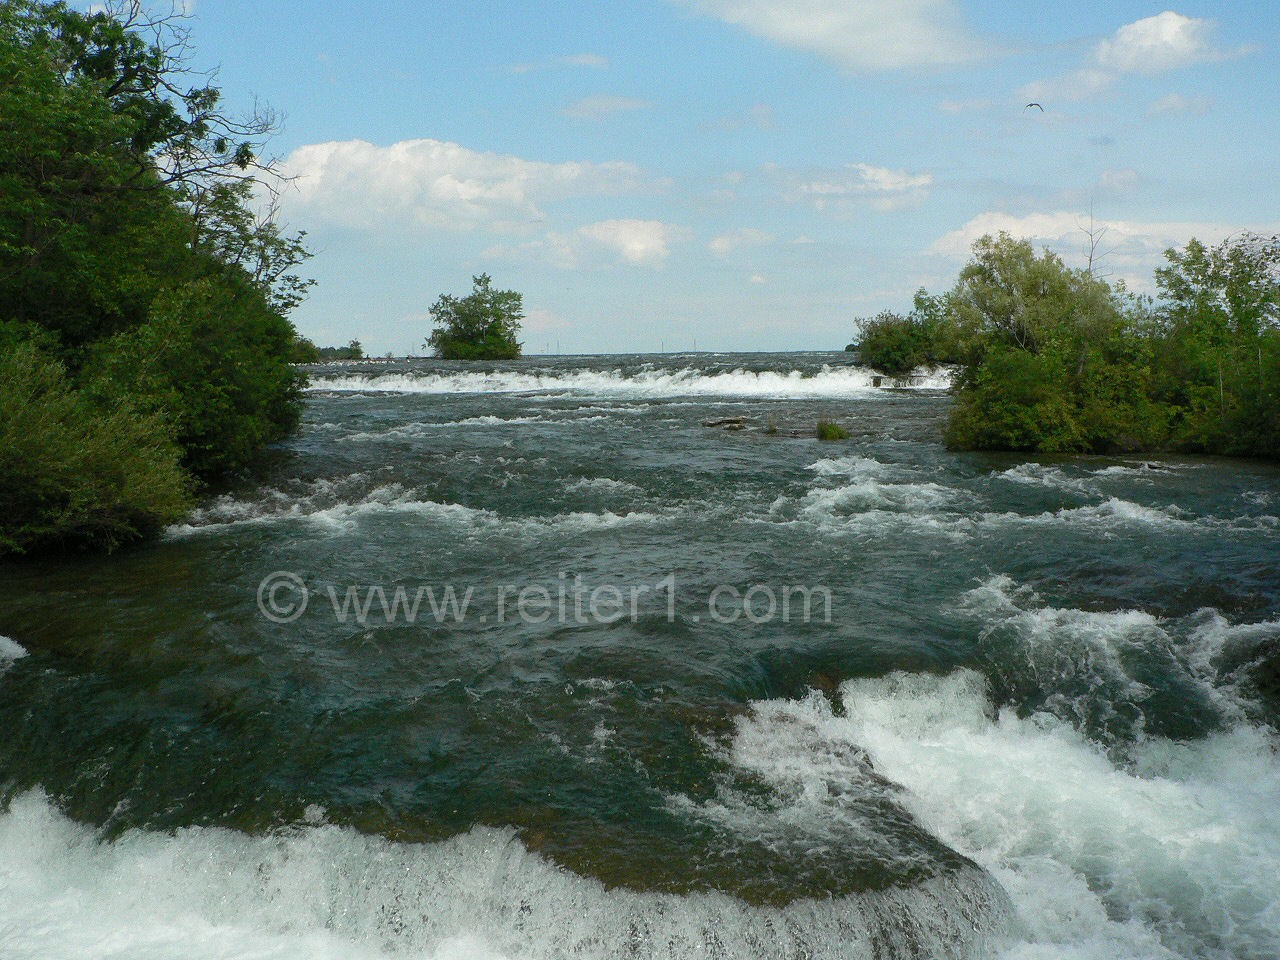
828 430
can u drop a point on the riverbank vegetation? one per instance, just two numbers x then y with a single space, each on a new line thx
1056 359
144 339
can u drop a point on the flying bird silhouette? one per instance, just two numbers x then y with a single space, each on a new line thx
1036 105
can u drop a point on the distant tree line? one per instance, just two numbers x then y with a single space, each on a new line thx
305 351
1056 359
144 339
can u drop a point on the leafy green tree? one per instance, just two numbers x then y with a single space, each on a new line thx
85 240
481 326
1219 326
1007 294
896 345
352 351
136 283
304 351
213 359
226 229
892 343
1052 357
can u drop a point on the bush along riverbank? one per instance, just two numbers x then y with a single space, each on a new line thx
1054 359
144 339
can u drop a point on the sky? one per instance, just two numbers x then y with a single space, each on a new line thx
738 174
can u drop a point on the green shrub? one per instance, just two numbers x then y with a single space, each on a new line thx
76 474
827 430
893 344
1016 400
213 360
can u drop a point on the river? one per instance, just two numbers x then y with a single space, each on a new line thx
609 657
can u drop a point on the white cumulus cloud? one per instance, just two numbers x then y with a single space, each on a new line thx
630 242
860 34
1178 103
1155 44
437 184
1158 44
592 60
635 241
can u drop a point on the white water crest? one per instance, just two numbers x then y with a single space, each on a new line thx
1174 855
10 651
319 891
660 382
335 506
1095 668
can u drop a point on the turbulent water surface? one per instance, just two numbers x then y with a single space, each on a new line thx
579 674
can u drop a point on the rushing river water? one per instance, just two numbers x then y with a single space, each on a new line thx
653 688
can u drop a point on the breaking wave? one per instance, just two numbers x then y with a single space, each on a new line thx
658 382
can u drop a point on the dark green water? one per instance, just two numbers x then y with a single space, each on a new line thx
1025 709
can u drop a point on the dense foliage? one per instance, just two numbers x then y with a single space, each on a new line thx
139 291
73 472
305 351
1054 359
483 325
896 345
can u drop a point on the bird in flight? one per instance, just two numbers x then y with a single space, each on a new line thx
1036 105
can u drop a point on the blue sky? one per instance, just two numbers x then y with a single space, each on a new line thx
746 174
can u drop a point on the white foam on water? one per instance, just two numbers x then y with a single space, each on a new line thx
870 494
1118 512
829 381
824 795
1093 667
1215 635
1117 515
414 430
328 892
602 485
330 505
872 487
1146 469
1042 475
324 503
877 498
855 466
10 651
1175 855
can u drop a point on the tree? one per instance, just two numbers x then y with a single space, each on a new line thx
896 345
1219 326
120 175
304 350
223 337
138 287
1052 357
481 326
891 343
